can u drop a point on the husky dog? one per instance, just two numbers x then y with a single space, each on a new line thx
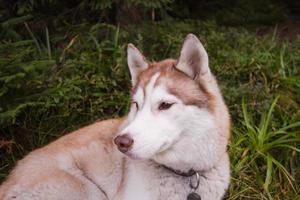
171 146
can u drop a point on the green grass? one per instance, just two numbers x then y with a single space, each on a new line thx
266 151
52 83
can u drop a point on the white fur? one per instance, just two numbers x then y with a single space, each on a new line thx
181 137
150 129
154 131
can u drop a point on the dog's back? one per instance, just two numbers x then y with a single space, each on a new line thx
69 167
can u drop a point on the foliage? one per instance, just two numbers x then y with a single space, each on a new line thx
268 151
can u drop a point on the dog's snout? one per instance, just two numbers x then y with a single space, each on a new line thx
124 142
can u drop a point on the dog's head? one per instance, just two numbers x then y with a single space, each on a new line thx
177 116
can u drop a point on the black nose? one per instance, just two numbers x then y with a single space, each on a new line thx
124 142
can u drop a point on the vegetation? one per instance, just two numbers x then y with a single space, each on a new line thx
63 68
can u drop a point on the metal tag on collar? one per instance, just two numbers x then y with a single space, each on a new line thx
194 186
193 196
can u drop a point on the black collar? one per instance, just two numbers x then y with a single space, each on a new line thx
190 173
193 185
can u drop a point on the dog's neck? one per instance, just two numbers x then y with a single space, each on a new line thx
143 177
189 173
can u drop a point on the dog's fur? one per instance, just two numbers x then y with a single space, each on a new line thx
191 132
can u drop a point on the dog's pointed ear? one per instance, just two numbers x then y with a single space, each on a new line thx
136 62
193 60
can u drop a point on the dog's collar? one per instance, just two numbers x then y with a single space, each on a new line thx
190 173
194 184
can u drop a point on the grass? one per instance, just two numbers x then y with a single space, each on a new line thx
267 151
52 83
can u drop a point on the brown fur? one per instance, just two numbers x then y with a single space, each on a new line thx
85 155
192 92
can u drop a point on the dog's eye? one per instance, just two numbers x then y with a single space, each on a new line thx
136 104
164 106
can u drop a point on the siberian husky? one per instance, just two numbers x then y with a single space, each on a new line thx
171 146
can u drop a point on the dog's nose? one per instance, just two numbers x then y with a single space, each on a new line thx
124 142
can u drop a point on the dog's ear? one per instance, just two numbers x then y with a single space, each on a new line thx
136 62
193 60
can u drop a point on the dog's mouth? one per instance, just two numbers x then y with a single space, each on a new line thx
133 156
148 150
133 153
166 146
163 147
